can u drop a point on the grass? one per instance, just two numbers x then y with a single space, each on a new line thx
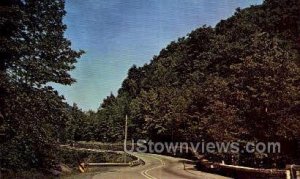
72 158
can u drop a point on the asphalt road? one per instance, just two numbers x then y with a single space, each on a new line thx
156 167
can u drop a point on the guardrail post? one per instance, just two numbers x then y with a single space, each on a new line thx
298 174
288 174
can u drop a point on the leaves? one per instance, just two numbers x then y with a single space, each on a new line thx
238 81
33 52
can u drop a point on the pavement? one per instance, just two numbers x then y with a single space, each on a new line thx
155 167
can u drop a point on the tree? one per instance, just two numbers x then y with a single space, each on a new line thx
238 81
265 88
34 52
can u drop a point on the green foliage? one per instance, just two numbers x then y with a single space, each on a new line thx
73 157
238 81
81 126
33 52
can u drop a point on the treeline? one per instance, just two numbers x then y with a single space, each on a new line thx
33 53
237 81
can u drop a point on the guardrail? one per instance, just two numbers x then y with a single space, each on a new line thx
108 164
130 164
224 168
241 171
294 171
82 168
290 172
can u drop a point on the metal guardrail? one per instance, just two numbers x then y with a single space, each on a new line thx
108 164
290 172
82 168
130 164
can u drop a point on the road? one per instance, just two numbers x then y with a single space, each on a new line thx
156 167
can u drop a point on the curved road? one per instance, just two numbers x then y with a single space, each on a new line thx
157 167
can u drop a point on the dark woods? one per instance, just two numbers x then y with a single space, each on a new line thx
33 53
238 81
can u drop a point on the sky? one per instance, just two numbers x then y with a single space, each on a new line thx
116 34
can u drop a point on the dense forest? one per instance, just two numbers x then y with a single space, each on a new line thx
237 81
33 53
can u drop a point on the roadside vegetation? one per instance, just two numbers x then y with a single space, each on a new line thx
237 81
33 53
70 158
73 158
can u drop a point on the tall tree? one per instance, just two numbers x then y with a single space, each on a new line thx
34 52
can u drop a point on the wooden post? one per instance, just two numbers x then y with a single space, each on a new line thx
125 140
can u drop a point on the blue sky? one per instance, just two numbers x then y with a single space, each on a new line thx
119 33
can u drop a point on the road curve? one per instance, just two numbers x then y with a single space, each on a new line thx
157 167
